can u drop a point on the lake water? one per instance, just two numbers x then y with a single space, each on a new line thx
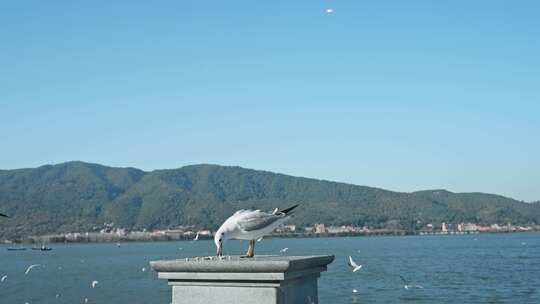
495 268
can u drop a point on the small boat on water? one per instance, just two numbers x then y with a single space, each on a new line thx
16 248
42 248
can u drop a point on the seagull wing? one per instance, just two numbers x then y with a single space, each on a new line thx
241 211
352 263
30 268
257 220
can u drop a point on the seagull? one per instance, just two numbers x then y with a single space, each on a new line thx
94 283
329 10
354 267
143 269
276 210
284 250
30 268
354 291
3 278
249 225
196 237
407 286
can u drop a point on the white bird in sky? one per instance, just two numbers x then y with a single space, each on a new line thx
284 250
354 267
94 283
30 268
329 10
249 225
3 278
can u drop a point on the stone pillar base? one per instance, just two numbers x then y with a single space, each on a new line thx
235 280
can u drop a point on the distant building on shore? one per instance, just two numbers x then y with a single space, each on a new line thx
320 228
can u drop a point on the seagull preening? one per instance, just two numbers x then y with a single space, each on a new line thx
249 225
30 268
354 267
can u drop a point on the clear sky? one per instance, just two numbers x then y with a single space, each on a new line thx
403 95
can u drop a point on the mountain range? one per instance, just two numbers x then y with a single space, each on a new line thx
79 196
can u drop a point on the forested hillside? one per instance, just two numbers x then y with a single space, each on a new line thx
77 196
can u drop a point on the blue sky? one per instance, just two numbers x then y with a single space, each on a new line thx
403 95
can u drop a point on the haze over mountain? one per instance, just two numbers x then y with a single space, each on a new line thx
78 196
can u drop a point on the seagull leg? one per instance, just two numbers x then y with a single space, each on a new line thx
251 249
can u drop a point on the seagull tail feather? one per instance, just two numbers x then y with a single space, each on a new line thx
286 211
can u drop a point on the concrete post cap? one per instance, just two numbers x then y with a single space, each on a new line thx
232 264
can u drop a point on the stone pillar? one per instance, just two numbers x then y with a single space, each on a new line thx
235 280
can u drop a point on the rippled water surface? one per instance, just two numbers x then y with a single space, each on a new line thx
496 268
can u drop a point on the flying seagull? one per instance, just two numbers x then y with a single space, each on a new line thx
30 268
94 284
3 278
354 267
407 285
249 225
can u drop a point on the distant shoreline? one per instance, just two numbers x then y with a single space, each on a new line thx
55 239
